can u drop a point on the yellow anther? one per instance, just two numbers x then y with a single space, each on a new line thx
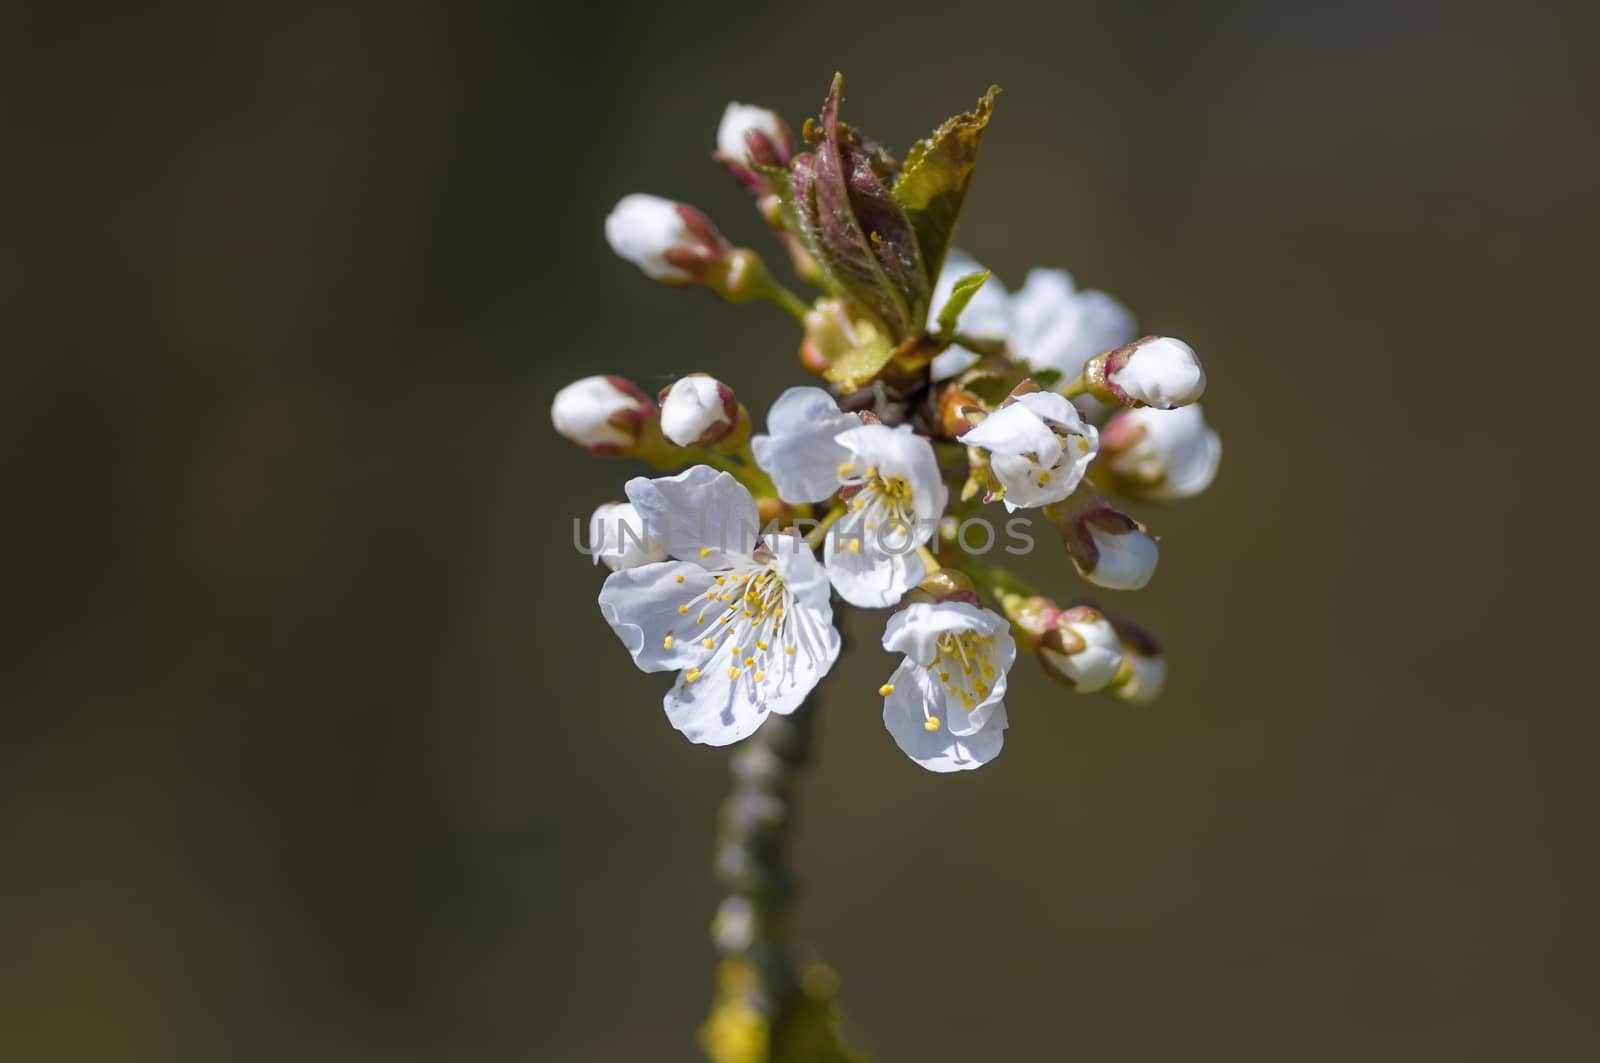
847 469
759 676
692 674
709 644
885 690
762 646
855 546
1044 478
666 643
683 608
721 580
749 662
788 649
872 470
944 677
734 651
733 673
931 723
705 551
680 578
1083 444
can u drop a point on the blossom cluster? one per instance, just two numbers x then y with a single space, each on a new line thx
940 393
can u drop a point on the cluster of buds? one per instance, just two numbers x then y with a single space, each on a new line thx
940 393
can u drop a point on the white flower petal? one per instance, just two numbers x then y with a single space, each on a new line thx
938 750
872 578
1182 444
643 606
800 451
582 412
1057 327
699 509
901 453
952 361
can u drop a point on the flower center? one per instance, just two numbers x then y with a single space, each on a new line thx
963 667
881 506
742 619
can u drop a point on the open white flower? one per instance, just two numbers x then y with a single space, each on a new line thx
1157 371
800 450
945 704
1056 326
698 410
1161 455
617 537
745 621
1081 649
895 497
603 413
1038 447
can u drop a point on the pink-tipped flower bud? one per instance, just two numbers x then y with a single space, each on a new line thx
1157 371
698 411
671 242
1109 548
618 537
1144 666
602 413
1080 649
1159 455
752 136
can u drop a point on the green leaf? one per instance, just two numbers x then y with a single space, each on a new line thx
854 224
859 366
933 183
960 296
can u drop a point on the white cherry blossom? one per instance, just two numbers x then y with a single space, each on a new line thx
1038 447
800 449
745 621
894 498
945 704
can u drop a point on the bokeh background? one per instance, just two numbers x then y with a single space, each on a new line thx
315 746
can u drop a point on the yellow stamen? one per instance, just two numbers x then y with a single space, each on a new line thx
709 644
680 578
692 674
885 690
788 649
683 608
666 643
762 646
931 723
855 546
749 662
759 676
733 673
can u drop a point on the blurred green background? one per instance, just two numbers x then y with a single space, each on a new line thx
315 746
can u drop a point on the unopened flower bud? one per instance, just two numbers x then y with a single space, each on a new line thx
618 537
946 585
831 333
1158 455
1157 371
671 242
603 413
753 136
1081 650
1144 667
1109 548
698 411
